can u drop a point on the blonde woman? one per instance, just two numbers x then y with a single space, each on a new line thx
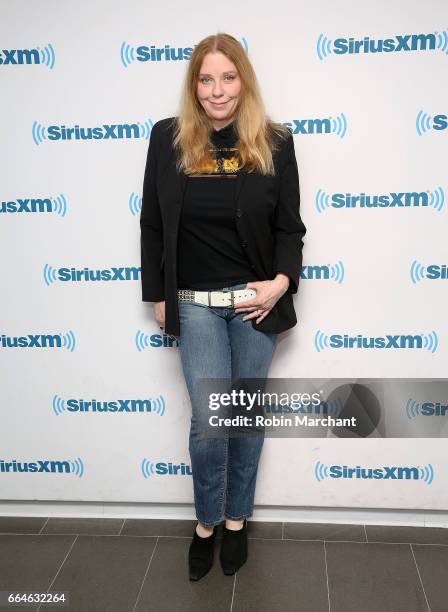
221 249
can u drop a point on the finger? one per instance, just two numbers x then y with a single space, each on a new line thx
252 315
248 303
263 316
249 308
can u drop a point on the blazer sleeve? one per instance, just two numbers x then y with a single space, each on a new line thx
151 228
289 229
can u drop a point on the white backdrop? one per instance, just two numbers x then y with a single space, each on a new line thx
367 123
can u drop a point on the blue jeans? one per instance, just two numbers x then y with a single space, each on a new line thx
215 342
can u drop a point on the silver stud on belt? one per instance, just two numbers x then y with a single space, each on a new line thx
185 295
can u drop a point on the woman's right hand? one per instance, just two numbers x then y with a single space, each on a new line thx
159 313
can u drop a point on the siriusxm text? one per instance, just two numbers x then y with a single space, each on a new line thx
399 43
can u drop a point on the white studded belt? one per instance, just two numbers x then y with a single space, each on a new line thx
216 298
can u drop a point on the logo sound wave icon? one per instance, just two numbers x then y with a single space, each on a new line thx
337 272
49 274
59 205
142 340
39 132
69 341
320 471
417 272
426 473
322 201
339 125
437 199
422 123
323 46
321 341
147 468
145 129
334 407
135 203
430 341
58 405
47 56
442 42
158 406
127 54
412 408
77 467
244 44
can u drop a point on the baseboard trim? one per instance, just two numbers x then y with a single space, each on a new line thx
359 516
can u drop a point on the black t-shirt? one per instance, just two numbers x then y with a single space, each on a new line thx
210 255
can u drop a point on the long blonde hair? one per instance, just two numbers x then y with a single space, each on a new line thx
256 132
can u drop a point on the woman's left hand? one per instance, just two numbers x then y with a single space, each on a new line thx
268 293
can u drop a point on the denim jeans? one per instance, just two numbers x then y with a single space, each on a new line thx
215 342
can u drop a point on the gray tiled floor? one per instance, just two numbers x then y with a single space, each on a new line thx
116 565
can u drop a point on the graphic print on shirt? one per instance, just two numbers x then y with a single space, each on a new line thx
225 162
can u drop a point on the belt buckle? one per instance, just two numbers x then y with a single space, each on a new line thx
232 297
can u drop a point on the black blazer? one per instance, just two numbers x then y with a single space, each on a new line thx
267 220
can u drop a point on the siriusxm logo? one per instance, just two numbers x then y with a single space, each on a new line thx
327 272
76 275
386 472
418 272
165 53
56 205
403 199
66 340
135 204
427 342
425 122
163 468
436 41
114 131
38 56
143 341
127 406
326 125
414 409
48 466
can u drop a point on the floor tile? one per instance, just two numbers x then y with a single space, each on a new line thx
159 527
373 578
282 577
30 562
262 529
104 573
324 531
84 526
432 563
399 533
167 587
22 524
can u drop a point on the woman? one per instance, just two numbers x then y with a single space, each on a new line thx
221 246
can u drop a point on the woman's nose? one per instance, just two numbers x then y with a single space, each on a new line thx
217 89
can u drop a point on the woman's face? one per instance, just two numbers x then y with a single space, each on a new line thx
218 88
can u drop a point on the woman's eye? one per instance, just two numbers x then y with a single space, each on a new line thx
230 76
204 79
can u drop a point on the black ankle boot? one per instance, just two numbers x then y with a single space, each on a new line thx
200 555
233 549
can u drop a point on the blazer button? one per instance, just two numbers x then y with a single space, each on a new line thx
239 212
244 245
